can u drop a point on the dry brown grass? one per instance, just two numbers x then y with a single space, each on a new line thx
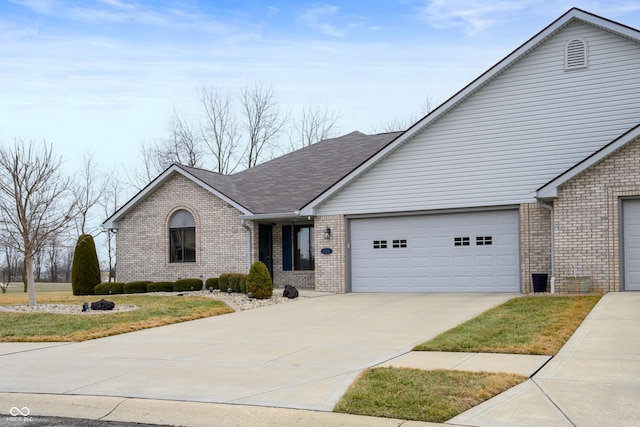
153 311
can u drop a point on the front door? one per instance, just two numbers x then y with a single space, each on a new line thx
264 246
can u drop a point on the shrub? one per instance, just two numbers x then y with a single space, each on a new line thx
136 287
85 269
160 287
212 282
259 281
236 281
187 285
108 288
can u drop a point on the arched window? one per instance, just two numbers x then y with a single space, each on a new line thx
182 237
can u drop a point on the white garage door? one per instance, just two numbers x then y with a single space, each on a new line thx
631 236
461 252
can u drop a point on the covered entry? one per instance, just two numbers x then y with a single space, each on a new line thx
454 252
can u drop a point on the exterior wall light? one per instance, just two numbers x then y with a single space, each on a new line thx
327 233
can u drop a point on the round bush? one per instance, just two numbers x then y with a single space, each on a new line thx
136 287
183 285
259 281
160 287
109 288
212 282
85 269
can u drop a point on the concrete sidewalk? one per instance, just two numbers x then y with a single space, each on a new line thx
593 381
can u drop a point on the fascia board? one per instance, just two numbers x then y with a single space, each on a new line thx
550 189
112 221
456 99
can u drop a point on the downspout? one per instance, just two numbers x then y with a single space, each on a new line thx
553 247
246 227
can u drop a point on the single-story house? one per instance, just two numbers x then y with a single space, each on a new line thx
534 167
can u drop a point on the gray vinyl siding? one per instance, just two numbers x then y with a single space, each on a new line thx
519 131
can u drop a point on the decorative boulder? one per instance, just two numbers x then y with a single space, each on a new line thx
103 304
290 292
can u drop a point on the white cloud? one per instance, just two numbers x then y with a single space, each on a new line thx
473 16
318 19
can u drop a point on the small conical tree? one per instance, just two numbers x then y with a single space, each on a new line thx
259 281
85 270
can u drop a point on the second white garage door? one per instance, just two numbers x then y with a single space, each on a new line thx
461 252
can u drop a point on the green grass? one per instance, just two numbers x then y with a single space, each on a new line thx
153 311
526 325
414 394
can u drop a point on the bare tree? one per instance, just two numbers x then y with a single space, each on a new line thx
110 203
183 145
53 251
401 124
315 123
219 129
261 120
36 202
88 189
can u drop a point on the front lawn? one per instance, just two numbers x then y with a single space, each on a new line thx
152 311
414 394
526 325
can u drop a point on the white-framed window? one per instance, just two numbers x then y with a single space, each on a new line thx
182 237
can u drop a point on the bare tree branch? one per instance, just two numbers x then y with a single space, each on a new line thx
262 120
36 202
315 123
219 129
401 124
87 189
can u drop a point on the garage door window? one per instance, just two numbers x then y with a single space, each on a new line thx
461 241
484 241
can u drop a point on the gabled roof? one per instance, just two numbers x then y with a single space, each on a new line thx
550 189
569 17
282 185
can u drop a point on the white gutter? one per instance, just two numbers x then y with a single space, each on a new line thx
246 227
553 247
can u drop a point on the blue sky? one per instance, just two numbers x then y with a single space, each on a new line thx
100 76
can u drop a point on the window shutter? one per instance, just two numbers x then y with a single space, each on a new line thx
287 250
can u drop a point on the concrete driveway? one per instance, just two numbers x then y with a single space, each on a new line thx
303 354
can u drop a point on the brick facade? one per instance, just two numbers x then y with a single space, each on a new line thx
331 269
143 235
587 213
535 244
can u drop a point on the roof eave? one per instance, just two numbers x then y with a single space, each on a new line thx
550 190
111 223
475 85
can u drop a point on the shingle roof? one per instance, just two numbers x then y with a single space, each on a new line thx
289 182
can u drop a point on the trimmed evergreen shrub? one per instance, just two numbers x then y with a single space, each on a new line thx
160 287
104 288
136 287
259 281
235 281
187 285
85 269
212 282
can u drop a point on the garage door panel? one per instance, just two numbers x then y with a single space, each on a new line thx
449 252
